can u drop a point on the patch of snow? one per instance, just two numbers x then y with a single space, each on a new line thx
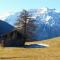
47 19
44 45
4 15
43 10
57 11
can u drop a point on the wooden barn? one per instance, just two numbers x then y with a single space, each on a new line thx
10 36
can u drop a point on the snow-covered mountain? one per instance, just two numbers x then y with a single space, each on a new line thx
47 21
12 18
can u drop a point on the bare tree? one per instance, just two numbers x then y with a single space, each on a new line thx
25 24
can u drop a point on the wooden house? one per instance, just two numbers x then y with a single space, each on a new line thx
10 36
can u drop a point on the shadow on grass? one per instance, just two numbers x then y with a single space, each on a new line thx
35 46
28 46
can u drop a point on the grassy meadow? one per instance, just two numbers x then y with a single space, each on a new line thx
16 53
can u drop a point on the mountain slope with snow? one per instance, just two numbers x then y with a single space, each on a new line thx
47 22
12 18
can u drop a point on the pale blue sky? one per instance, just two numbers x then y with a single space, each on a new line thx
17 5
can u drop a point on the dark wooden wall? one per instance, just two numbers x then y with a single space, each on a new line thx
12 39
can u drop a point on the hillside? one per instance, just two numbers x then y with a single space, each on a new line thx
50 53
5 27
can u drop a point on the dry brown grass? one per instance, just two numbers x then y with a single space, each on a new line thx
50 53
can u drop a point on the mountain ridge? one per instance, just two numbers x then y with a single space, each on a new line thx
47 22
